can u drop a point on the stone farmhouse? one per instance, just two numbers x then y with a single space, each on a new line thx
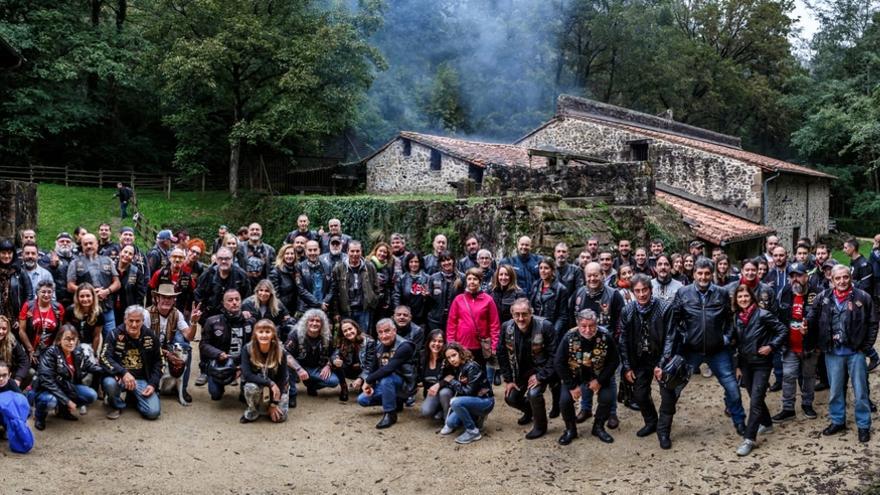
728 196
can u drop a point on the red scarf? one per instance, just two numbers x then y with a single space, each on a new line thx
746 314
842 296
623 284
751 285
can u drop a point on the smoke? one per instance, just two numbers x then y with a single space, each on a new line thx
503 52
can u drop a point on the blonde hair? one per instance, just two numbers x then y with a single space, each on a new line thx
8 343
94 313
273 304
274 357
279 258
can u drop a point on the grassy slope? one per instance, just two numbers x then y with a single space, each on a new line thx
64 208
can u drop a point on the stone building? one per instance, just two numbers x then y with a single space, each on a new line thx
702 168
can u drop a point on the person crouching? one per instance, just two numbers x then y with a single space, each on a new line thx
265 376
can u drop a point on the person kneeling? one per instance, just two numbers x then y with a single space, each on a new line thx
473 399
265 376
133 361
59 378
391 375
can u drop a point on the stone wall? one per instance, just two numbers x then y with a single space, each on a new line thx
623 183
18 208
392 172
721 180
797 202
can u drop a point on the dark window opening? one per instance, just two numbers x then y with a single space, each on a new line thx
551 161
475 174
435 160
407 147
639 151
795 236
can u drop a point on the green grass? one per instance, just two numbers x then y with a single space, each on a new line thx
865 246
64 208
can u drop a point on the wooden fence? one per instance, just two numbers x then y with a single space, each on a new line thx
76 177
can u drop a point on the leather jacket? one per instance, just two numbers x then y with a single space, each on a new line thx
523 354
55 377
860 328
639 348
551 304
763 328
703 320
469 380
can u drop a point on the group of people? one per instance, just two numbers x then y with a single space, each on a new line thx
95 317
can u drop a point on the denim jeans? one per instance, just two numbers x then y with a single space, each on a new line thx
215 389
314 380
721 364
838 366
437 403
362 317
109 321
387 392
798 367
45 401
464 409
587 394
123 209
149 407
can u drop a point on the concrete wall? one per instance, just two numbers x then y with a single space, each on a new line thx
392 172
719 179
797 202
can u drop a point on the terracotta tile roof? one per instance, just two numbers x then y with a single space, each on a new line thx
479 153
712 225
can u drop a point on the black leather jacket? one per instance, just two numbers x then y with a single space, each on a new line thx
859 324
763 328
288 289
360 359
504 300
132 290
211 288
767 297
305 273
640 349
523 354
571 276
703 321
442 292
403 294
118 344
468 380
607 304
55 377
551 304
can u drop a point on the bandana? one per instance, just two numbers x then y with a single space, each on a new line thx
746 314
750 284
842 296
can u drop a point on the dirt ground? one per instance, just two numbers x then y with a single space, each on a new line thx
332 447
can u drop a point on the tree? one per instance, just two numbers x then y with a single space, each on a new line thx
282 75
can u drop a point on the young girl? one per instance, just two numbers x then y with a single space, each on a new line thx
473 399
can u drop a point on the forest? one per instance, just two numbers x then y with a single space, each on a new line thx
198 85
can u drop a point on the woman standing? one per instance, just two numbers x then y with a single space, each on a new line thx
385 279
263 305
549 298
264 366
437 397
283 281
487 264
411 288
678 269
354 354
443 288
473 399
39 321
687 264
757 335
722 275
505 291
59 378
473 319
624 275
133 283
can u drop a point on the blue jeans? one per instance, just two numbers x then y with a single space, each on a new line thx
148 406
387 392
109 321
463 409
45 401
587 395
123 209
315 382
721 364
837 367
362 317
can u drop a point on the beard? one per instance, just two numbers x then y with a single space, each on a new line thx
64 252
30 264
797 288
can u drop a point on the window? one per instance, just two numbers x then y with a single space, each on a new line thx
407 147
639 151
435 160
795 237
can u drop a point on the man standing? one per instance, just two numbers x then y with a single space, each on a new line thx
335 253
59 262
569 275
313 278
302 229
36 273
179 276
526 349
259 250
399 252
100 271
390 379
157 257
769 245
432 266
664 287
624 254
644 326
525 264
124 194
702 312
587 356
353 288
469 260
133 361
862 273
221 236
777 276
656 251
844 318
606 263
335 230
696 249
799 354
641 263
105 241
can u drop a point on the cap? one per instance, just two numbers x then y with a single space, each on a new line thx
335 239
797 268
830 262
696 243
165 235
126 229
224 228
63 235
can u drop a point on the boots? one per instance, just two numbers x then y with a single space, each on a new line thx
343 387
664 426
647 430
600 433
540 426
555 392
387 420
570 433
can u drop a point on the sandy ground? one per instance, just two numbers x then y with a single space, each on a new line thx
332 447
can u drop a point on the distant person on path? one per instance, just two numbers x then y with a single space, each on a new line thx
124 194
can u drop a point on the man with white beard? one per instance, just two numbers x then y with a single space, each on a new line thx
59 261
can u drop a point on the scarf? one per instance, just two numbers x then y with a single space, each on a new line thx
842 296
623 284
746 314
595 293
379 265
750 284
644 309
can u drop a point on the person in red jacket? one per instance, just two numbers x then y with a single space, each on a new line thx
473 319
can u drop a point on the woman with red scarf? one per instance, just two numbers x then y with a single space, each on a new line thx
757 333
764 294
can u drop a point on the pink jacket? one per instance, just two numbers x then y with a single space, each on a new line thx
471 319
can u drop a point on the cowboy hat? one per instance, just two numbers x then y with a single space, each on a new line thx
166 290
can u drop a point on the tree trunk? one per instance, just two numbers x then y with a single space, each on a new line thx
234 156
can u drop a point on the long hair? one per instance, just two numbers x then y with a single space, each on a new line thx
376 250
346 346
510 273
302 325
273 304
7 345
92 315
465 354
274 357
279 258
741 288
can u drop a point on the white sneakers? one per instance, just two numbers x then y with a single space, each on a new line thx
745 448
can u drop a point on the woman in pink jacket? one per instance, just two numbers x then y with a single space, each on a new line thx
473 319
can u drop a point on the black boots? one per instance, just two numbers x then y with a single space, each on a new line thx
665 441
584 414
570 433
647 430
540 426
387 420
600 433
525 419
555 392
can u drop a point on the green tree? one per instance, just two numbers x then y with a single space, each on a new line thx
445 107
259 73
